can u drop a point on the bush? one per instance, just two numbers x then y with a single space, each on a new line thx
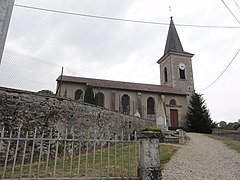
154 129
45 92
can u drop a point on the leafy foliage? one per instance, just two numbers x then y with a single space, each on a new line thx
89 95
151 128
222 125
199 119
229 126
46 92
154 129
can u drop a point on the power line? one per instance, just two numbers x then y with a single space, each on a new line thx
120 19
222 72
230 11
234 55
237 5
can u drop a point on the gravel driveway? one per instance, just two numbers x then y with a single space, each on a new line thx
203 158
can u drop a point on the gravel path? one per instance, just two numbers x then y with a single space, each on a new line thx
203 158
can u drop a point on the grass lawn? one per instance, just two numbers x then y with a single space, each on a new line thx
126 164
232 144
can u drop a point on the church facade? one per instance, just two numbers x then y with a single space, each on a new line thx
166 103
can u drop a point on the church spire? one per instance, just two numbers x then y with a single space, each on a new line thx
173 42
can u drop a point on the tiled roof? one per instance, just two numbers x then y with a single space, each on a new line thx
121 85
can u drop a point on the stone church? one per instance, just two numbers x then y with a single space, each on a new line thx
166 103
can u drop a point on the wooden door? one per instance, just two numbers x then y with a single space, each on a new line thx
174 118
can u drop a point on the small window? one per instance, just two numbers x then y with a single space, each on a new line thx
150 105
78 94
182 74
165 74
173 102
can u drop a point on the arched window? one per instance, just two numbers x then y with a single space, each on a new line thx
99 97
150 105
78 94
182 73
173 102
165 74
125 104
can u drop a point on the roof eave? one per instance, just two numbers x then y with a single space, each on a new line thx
186 54
76 81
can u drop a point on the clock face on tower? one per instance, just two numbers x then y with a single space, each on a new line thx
181 66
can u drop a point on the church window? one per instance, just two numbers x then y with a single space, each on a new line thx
78 94
165 74
150 105
182 73
99 97
173 102
125 101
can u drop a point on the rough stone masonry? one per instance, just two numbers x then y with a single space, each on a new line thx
43 112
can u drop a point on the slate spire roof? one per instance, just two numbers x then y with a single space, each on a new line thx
173 42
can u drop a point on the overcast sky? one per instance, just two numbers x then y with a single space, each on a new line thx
39 43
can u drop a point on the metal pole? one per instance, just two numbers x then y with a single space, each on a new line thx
60 88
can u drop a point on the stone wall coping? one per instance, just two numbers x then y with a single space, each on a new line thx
226 131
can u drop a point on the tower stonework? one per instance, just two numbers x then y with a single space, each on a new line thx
176 64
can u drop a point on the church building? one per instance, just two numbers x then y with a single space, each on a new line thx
166 103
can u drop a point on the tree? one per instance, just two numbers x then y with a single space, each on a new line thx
222 125
235 125
198 116
228 126
89 95
232 126
46 92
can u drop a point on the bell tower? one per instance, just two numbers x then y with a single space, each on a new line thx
176 64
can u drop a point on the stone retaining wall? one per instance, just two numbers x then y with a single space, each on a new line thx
227 133
44 112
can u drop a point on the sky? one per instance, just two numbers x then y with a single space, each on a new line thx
39 43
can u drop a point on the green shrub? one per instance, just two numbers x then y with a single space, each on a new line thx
154 129
45 92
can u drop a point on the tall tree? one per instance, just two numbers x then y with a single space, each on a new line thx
89 95
199 119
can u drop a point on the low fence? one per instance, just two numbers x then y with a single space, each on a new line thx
51 155
227 133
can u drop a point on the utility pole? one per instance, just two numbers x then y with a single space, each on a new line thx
6 8
60 87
